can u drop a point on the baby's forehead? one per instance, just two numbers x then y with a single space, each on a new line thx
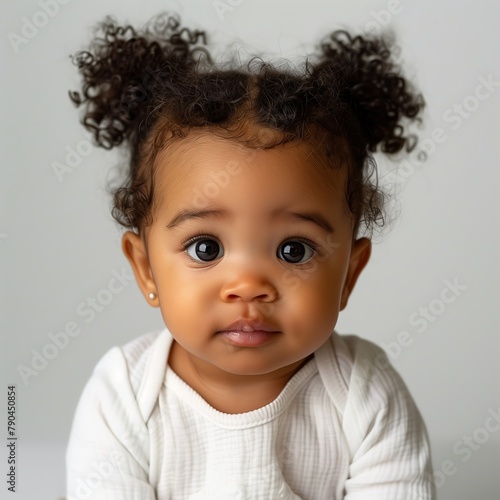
200 144
202 165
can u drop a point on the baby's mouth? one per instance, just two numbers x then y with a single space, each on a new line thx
247 333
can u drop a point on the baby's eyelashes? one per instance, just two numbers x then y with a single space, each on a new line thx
204 249
296 251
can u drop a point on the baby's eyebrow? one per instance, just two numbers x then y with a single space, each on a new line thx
195 214
314 217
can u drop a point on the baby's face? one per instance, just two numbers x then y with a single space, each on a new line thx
251 253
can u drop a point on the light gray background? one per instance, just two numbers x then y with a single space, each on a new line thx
59 245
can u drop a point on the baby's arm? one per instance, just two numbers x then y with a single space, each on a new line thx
390 447
107 456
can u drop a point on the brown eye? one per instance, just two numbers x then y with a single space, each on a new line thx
295 252
205 250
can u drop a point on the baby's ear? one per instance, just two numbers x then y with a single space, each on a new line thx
135 250
360 255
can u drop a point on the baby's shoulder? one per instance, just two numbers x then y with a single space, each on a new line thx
134 354
138 352
360 369
137 368
371 367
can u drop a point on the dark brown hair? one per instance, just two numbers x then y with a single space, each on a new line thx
152 86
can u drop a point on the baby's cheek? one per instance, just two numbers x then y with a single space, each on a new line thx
175 301
186 298
316 298
173 316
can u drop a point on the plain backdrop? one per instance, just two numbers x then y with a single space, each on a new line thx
59 246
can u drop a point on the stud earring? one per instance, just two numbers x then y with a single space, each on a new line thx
152 295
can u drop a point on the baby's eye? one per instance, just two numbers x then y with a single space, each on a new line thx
205 250
295 252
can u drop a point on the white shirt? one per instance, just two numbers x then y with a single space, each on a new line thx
344 427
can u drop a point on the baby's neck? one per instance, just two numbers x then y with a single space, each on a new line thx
229 393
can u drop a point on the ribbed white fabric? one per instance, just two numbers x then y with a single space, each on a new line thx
344 427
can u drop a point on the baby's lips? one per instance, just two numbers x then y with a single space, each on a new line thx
248 325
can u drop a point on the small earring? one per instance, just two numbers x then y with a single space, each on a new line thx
152 295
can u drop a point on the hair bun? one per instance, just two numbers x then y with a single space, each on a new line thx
122 70
370 82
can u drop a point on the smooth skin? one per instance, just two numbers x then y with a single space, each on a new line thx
246 234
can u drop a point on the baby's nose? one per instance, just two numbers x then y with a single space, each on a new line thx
248 287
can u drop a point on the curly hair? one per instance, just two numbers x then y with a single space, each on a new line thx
153 86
